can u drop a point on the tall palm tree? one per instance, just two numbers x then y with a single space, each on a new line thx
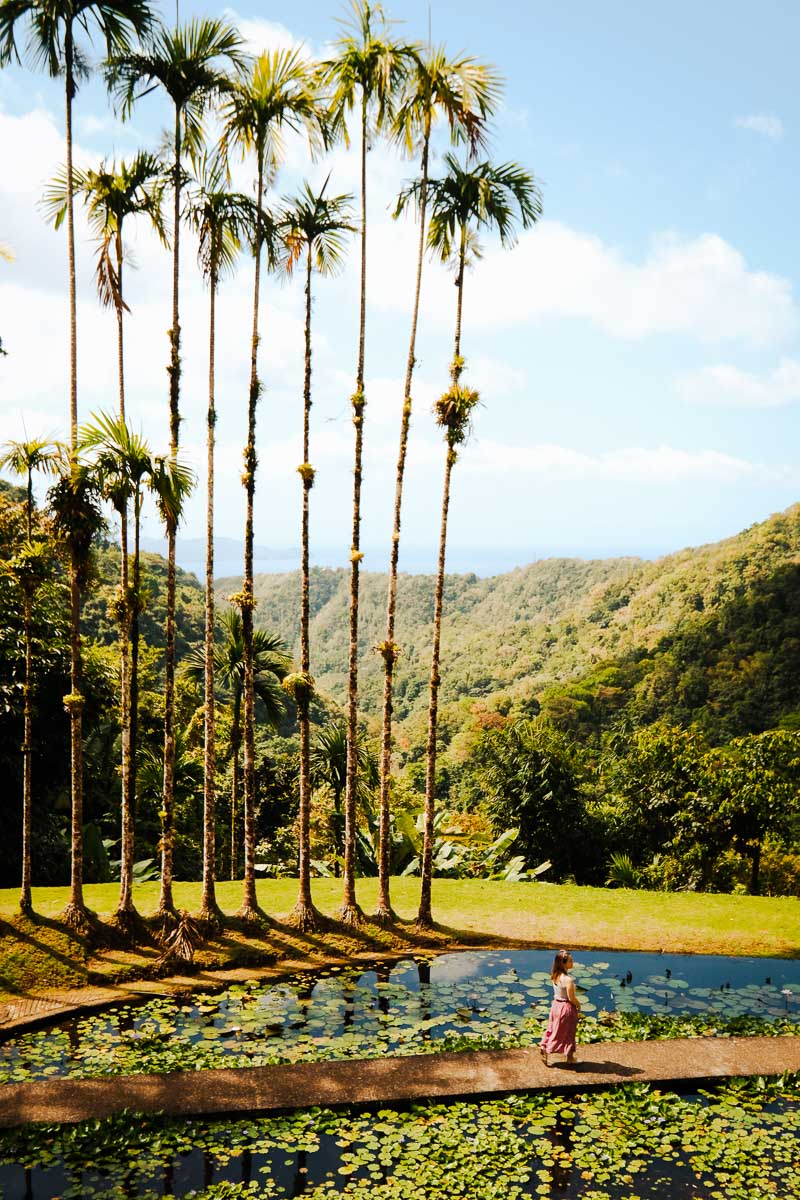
463 203
220 218
171 482
123 462
277 97
366 72
55 32
111 195
465 93
23 458
188 63
313 228
271 666
74 504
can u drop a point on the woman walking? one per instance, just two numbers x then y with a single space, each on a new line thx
559 1037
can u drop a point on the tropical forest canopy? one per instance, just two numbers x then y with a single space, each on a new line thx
590 705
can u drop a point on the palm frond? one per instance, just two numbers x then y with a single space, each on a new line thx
313 222
367 65
172 482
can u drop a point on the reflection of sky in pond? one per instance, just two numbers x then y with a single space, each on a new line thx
397 1008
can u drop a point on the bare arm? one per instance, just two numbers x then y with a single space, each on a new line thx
573 999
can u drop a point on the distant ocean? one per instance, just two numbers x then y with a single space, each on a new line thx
416 561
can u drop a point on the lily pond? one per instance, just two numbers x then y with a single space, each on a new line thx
740 1142
452 1001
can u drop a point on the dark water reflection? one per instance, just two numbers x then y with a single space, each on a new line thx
287 1172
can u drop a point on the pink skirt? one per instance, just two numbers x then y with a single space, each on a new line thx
562 1026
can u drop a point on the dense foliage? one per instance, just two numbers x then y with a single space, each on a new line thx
590 773
707 638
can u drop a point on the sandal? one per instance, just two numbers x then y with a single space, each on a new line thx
543 1056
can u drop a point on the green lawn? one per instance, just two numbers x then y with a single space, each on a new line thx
541 913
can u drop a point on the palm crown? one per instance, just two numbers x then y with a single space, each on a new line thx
367 65
53 24
187 62
317 225
111 194
462 90
172 482
271 664
481 198
278 96
221 219
121 457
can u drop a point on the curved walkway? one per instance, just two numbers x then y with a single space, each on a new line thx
687 1062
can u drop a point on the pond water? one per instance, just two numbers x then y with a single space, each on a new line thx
740 1142
400 1008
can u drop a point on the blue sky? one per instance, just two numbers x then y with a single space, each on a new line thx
637 354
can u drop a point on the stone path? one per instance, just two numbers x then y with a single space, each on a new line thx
688 1062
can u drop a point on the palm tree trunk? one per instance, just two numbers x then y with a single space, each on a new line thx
425 916
249 907
75 911
235 786
25 901
125 904
125 908
208 903
390 650
133 677
305 916
166 906
755 868
73 308
350 912
120 330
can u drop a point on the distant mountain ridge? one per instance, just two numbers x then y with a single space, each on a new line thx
546 630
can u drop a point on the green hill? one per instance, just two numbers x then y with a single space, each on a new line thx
709 635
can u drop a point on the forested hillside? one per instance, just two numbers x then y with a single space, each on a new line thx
708 636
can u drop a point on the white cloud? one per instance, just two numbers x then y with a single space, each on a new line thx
724 384
260 35
635 464
700 287
765 124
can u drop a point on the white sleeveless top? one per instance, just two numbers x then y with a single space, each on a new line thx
560 988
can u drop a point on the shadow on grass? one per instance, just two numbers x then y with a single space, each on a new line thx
47 945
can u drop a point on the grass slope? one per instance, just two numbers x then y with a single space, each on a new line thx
473 911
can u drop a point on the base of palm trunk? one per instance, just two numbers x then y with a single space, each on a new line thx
212 916
165 922
351 914
304 916
25 906
248 913
385 916
424 922
128 922
76 916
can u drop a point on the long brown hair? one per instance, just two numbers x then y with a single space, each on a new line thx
559 965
